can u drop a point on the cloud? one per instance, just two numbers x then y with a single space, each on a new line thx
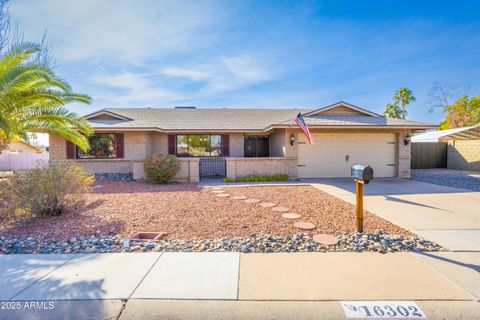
118 30
194 75
128 89
226 73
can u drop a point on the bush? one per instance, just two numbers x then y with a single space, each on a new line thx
160 168
49 189
259 178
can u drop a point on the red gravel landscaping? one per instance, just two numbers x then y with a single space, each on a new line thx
183 211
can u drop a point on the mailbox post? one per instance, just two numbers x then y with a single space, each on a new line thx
362 175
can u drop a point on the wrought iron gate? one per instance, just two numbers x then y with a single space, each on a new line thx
213 167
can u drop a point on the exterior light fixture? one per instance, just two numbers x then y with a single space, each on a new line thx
292 139
407 140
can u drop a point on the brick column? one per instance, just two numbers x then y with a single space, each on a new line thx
138 171
194 170
404 155
231 168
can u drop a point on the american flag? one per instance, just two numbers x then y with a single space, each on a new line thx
301 123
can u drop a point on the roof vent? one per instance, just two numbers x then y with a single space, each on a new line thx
185 107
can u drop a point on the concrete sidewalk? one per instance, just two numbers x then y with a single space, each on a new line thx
109 285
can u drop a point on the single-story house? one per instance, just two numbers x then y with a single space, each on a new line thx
20 147
463 146
239 142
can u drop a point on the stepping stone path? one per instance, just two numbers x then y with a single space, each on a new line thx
223 195
218 191
302 225
325 239
291 216
267 204
280 209
252 201
217 188
239 198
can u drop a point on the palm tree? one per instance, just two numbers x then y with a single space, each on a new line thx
32 99
392 110
403 96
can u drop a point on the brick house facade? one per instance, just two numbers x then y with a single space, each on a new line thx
139 133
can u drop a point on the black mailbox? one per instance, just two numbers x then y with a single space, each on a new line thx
361 172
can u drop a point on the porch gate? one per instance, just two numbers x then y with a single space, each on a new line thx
213 167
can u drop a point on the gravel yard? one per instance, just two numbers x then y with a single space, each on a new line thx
468 180
183 211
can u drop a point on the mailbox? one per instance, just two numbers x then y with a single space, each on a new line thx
361 172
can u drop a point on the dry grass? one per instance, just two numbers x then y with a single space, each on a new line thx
183 211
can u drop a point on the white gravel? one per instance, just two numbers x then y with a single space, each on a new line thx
469 180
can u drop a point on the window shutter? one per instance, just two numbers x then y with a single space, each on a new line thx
225 145
119 145
70 150
172 144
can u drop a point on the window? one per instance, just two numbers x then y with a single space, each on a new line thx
196 145
102 145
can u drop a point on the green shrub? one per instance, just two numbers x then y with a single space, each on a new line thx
50 189
161 168
259 178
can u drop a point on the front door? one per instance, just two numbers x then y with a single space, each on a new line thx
256 146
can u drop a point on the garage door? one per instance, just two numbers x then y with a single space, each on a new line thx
333 154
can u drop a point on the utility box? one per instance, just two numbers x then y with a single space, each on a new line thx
361 172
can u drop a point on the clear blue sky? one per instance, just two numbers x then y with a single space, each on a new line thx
258 53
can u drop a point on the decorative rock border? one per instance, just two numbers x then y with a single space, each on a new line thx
379 241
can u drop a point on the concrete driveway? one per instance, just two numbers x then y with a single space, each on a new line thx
445 215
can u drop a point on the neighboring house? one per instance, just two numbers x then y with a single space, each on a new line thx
20 147
463 149
239 142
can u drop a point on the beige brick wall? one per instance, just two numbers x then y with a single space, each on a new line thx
239 167
138 145
280 143
464 155
189 170
404 155
277 143
159 143
106 165
236 145
57 148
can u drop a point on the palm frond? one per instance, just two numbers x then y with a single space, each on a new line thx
34 99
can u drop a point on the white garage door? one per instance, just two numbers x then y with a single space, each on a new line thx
333 154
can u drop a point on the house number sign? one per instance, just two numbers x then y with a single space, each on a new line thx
382 309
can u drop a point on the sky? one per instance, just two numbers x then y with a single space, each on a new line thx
258 54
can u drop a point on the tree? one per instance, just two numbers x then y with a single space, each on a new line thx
393 110
403 96
32 99
463 112
32 96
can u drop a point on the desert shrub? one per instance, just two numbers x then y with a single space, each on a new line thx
259 178
50 189
161 168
